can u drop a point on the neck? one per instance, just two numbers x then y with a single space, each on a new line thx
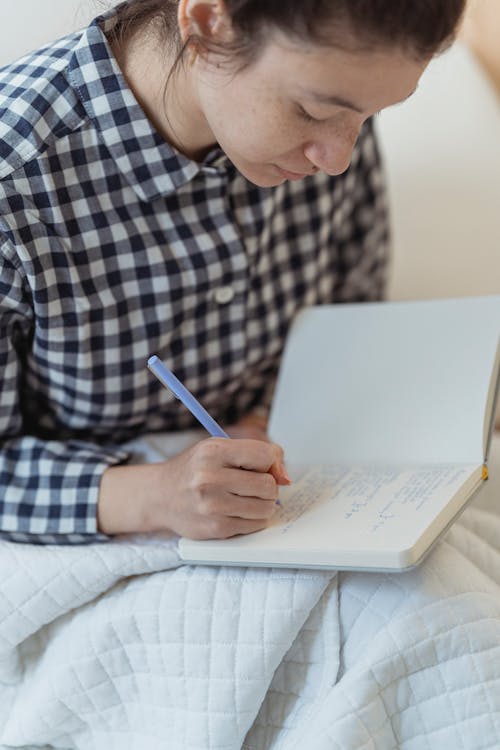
173 107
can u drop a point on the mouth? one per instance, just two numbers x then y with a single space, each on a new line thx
291 175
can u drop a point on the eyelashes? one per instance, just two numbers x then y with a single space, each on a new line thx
305 115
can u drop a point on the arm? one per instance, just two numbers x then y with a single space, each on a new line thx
74 491
48 488
216 489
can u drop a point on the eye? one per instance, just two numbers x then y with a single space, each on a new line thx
305 115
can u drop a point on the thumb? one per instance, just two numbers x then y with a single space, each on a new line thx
278 470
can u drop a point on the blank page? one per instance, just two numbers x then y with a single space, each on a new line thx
388 382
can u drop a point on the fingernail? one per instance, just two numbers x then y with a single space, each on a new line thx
284 474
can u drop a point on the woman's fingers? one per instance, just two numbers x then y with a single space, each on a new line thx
250 483
253 455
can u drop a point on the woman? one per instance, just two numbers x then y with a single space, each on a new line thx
180 178
176 180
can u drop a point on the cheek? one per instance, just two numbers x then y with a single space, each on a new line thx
254 125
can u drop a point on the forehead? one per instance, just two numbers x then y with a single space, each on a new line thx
380 76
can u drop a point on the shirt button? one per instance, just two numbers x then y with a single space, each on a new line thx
223 295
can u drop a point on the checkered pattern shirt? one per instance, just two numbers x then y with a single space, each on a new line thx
113 247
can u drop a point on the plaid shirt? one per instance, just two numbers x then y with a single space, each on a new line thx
113 247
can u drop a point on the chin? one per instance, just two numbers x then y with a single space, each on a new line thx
261 176
265 182
261 179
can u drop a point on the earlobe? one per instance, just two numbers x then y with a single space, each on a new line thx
204 20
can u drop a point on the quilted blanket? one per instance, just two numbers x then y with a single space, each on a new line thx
120 646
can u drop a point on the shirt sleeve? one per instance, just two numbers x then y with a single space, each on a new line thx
48 489
362 236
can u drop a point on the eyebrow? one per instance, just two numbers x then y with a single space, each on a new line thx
339 101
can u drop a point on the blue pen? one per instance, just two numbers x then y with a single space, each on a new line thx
168 379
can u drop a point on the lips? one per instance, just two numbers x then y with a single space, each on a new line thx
292 175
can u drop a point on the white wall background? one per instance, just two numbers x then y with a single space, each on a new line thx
27 24
442 150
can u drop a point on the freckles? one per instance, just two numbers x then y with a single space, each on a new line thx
347 130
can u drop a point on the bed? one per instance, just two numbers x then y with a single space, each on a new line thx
118 645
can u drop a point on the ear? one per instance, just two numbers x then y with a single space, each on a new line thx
204 19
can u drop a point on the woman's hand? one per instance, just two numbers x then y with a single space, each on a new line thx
253 426
213 490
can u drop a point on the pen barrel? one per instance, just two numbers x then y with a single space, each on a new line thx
170 381
198 411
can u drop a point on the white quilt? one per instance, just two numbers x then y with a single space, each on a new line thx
119 647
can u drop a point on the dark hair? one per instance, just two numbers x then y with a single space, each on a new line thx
419 27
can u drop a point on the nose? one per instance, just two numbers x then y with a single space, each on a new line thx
332 156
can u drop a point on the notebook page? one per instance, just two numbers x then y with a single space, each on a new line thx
387 382
351 516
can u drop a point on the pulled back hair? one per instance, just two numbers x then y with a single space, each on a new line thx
420 28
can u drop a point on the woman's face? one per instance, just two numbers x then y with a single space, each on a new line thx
298 109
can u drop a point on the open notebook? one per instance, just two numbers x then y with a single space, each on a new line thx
385 411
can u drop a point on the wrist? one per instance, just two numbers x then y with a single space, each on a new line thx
256 418
127 495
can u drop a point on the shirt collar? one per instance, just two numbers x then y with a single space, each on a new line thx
150 165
